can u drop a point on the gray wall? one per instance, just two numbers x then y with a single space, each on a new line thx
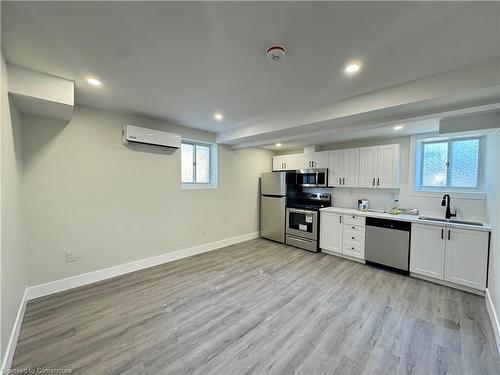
84 191
12 256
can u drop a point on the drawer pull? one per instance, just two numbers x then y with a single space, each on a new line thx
352 248
352 237
353 227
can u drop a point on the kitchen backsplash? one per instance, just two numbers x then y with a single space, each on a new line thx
382 199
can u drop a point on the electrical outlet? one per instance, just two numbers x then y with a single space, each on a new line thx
70 256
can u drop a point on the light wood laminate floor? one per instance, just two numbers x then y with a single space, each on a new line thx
259 308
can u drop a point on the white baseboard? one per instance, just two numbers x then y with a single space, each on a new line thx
334 253
107 273
447 283
494 318
14 335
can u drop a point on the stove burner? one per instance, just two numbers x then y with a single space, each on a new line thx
309 201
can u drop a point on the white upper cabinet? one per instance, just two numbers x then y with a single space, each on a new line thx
351 167
321 159
306 161
379 166
344 168
368 166
317 159
388 166
285 162
278 163
336 168
375 167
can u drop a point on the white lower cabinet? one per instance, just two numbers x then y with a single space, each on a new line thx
330 232
427 250
342 234
466 257
459 256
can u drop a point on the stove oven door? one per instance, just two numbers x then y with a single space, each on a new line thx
302 223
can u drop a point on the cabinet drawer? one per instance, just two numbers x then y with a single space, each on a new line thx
354 230
356 250
354 220
353 236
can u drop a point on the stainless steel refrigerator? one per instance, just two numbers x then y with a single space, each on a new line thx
273 189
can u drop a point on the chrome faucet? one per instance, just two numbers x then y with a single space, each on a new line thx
446 202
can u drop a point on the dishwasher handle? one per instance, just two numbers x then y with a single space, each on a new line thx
387 223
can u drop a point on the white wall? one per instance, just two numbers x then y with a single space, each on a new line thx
12 256
493 211
383 198
84 191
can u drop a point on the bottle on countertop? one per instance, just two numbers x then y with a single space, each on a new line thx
395 207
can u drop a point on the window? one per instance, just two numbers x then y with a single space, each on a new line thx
449 164
196 164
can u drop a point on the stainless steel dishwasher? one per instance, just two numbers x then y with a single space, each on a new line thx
388 244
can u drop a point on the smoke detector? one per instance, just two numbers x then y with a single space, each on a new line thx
276 53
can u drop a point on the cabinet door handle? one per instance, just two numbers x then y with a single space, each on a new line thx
353 227
340 181
352 237
373 183
343 180
449 234
340 219
442 233
378 181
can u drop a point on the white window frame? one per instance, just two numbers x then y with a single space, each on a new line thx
415 171
212 184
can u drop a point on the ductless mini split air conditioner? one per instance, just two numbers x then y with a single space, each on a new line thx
136 134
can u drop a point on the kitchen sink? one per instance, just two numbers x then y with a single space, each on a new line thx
455 221
434 219
466 222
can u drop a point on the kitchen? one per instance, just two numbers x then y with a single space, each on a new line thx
252 187
431 243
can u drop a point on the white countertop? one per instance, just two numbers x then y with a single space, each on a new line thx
401 217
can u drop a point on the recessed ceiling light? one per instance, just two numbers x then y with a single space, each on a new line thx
218 116
94 81
278 144
352 68
398 127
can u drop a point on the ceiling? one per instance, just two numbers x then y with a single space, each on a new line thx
182 62
344 134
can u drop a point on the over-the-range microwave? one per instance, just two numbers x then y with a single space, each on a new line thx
312 177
